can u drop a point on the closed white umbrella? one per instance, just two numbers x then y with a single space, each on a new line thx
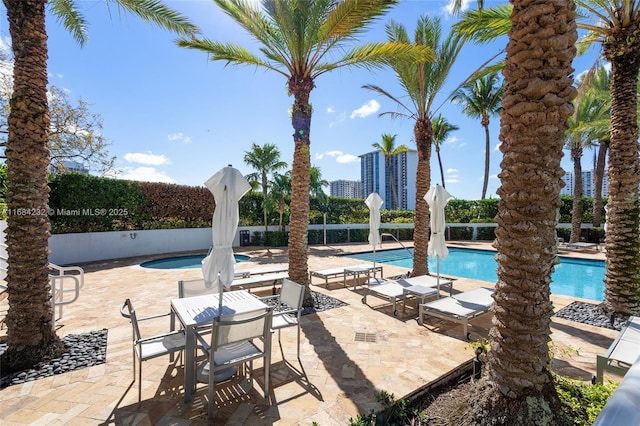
437 198
374 202
227 186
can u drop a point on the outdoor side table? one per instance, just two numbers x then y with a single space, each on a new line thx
419 291
358 271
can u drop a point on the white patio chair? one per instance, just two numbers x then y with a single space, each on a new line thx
150 347
288 308
197 287
232 344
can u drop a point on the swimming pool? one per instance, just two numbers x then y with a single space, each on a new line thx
184 262
572 277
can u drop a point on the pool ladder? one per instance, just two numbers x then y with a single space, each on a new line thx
385 234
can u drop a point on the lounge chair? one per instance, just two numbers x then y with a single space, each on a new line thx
624 350
329 273
459 308
429 281
259 280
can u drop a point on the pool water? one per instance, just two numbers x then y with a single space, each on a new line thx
184 262
572 277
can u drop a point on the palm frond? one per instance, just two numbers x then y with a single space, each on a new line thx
157 12
67 13
350 17
259 27
383 92
484 26
378 55
232 54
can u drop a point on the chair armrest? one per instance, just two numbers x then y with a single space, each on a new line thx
155 316
159 336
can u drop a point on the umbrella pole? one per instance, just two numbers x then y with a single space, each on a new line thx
438 274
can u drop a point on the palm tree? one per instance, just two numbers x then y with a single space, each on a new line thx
581 134
441 129
482 98
302 40
422 82
264 159
389 149
600 87
30 333
613 24
281 191
536 107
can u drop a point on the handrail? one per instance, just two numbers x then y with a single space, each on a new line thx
64 270
58 292
385 234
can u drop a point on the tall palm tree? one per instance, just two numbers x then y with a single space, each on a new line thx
264 159
30 333
389 149
613 24
535 109
422 82
441 130
301 40
581 134
482 98
600 87
281 191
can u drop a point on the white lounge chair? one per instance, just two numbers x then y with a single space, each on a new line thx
329 273
393 290
460 307
624 350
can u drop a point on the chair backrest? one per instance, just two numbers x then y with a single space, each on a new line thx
127 311
189 288
291 294
241 327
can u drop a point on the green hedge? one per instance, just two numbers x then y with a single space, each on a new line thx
84 203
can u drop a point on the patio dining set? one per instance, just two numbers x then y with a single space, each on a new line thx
220 333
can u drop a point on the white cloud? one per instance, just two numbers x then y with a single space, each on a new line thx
449 7
346 158
451 140
497 148
450 170
453 179
145 174
341 118
334 153
371 107
179 137
146 158
330 109
318 156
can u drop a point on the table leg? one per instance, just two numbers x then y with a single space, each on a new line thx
189 363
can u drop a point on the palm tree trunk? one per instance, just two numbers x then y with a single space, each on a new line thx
535 109
597 183
423 133
30 334
300 87
487 158
440 164
392 181
576 207
622 285
265 183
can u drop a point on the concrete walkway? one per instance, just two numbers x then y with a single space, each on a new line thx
347 355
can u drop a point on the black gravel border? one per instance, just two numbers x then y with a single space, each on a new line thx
592 314
82 350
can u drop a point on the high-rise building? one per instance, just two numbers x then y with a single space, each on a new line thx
588 187
378 176
346 188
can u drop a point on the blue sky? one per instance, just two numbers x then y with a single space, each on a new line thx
171 115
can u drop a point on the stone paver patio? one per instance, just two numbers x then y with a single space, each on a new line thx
336 379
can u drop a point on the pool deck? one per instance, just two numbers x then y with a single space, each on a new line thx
336 379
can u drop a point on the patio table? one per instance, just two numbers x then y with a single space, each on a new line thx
358 270
196 311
